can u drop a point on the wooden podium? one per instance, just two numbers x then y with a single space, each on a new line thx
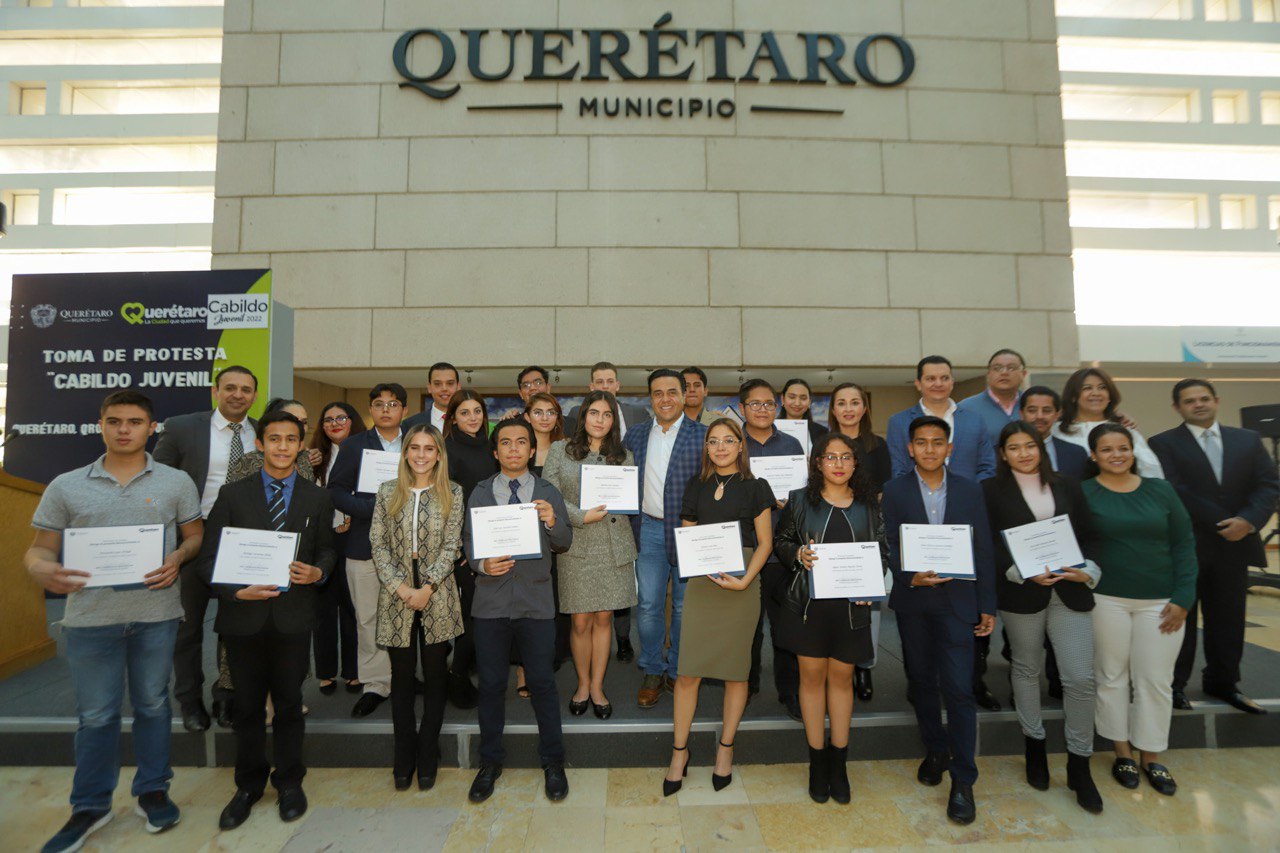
24 632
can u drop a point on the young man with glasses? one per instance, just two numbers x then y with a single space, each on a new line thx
386 406
997 404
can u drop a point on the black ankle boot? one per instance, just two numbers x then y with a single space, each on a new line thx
838 773
1037 764
819 775
1080 780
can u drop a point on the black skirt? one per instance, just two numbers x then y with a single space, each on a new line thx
825 631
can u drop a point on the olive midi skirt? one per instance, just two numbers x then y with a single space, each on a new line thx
717 628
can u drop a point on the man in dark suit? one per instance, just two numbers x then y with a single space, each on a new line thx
1041 407
1228 483
939 617
514 606
267 630
386 407
205 445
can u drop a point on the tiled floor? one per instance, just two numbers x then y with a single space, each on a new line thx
1229 800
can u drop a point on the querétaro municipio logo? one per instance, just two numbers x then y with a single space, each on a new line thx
43 316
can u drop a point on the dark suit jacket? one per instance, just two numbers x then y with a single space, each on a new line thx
342 488
686 461
1248 489
1073 460
972 455
244 504
184 445
902 504
1006 507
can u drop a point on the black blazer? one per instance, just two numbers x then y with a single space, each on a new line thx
1073 460
184 444
342 488
1006 507
244 504
1249 489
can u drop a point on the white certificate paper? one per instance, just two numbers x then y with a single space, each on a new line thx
943 548
616 487
847 570
507 530
114 556
376 467
799 430
1044 544
247 557
710 549
784 474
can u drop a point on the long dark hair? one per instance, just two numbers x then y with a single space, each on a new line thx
1071 396
864 487
868 440
320 439
744 461
579 445
808 413
1096 434
458 398
1004 471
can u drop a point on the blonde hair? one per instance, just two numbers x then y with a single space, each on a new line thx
405 478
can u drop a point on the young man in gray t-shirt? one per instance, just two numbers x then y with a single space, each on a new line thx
116 634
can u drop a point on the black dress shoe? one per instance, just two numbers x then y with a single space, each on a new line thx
931 769
626 654
792 704
961 807
292 803
222 712
1161 779
862 684
402 782
604 711
426 781
462 693
1237 700
482 787
985 698
367 704
237 811
1181 702
1125 771
194 717
578 708
556 784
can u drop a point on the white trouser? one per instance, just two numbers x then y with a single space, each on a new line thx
372 663
1130 651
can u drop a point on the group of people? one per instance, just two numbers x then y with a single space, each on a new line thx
387 584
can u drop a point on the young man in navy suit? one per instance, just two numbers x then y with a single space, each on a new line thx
938 617
1228 483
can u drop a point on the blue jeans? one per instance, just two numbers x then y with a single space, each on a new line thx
101 659
652 574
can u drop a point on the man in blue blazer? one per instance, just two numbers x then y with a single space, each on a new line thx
997 404
938 617
668 452
1228 483
974 456
1041 407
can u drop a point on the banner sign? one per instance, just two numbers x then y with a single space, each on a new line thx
74 339
1231 344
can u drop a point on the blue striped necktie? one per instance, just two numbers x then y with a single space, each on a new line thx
515 492
275 506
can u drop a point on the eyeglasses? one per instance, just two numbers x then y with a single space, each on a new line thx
832 458
542 414
1005 368
388 405
760 405
536 383
340 420
722 442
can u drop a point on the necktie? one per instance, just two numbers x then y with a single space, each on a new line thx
275 506
515 493
237 448
1213 449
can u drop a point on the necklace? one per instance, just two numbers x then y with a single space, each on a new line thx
720 484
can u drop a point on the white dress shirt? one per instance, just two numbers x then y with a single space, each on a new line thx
220 456
437 418
1198 432
657 458
949 416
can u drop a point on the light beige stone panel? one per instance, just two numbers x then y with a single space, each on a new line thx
1057 230
225 236
818 16
327 337
313 112
949 280
408 112
787 165
647 219
337 58
233 104
1038 173
250 59
956 64
1049 120
969 337
1046 282
1043 20
648 276
239 262
449 14
507 163
704 336
869 113
311 15
1066 339
1031 67
464 336
307 223
338 279
647 96
977 225
245 168
980 19
342 166
790 221
644 163
972 117
918 168
787 278
237 16
841 337
496 277
635 15
466 220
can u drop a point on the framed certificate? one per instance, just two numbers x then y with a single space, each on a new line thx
943 548
616 487
847 570
507 530
247 557
114 556
799 430
376 468
1050 544
710 549
784 474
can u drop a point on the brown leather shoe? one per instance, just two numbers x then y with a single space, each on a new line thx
669 684
650 690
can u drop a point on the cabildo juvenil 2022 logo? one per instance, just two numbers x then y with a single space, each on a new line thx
606 55
221 311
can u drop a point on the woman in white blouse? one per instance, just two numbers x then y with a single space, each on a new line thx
1090 398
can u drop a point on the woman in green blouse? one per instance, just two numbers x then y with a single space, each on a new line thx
1146 550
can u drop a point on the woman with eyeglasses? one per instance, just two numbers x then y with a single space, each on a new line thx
544 412
829 636
797 404
1089 398
720 611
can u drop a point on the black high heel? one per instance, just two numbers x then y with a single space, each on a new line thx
669 787
721 782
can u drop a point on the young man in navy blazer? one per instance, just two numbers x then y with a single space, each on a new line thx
938 617
1228 483
1041 407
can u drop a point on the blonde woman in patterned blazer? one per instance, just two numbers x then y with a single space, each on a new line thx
415 536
